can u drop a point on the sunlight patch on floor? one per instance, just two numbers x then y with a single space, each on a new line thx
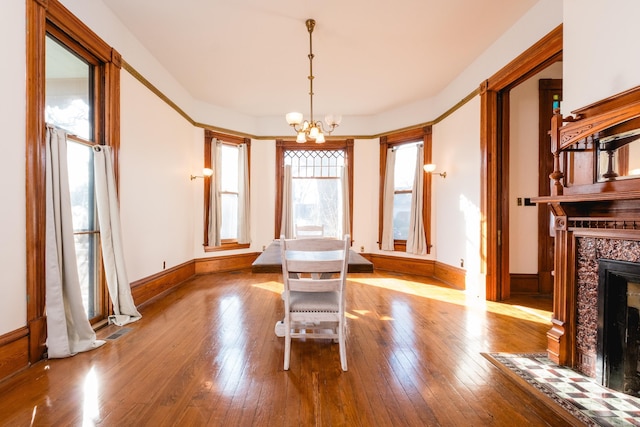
455 296
274 287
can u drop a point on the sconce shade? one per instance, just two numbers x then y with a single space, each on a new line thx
431 168
206 172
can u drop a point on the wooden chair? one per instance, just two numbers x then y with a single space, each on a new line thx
309 231
314 272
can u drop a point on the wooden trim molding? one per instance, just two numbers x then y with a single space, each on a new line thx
454 276
494 94
525 284
150 288
14 352
225 263
415 266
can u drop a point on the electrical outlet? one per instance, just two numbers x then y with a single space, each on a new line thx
263 248
519 201
361 248
461 262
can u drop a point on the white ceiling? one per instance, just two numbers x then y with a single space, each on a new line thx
371 56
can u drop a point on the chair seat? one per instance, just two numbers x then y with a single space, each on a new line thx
314 302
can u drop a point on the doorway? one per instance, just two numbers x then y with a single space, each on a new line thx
494 145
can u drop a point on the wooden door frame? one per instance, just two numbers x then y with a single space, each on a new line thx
494 145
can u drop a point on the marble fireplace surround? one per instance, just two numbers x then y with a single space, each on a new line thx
588 251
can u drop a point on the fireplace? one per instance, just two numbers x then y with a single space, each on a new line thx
618 342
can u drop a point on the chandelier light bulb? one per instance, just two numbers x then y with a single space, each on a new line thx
313 132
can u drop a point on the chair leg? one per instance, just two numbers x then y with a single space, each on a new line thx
287 350
342 347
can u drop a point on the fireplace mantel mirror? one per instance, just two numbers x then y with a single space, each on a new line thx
618 152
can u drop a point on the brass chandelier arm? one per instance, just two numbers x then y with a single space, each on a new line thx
311 130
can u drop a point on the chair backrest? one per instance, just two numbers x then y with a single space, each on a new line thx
309 231
314 265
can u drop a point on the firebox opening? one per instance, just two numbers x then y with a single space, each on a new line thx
618 365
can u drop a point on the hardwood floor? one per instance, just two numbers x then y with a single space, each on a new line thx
206 354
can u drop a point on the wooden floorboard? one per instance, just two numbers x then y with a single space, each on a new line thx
206 355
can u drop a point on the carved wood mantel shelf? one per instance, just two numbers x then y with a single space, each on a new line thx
595 206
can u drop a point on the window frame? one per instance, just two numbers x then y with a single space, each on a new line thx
209 135
283 145
423 134
52 17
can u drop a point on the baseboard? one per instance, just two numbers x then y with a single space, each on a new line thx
14 352
453 276
396 264
225 263
524 283
152 287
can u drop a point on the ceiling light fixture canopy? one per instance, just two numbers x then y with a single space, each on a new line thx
311 130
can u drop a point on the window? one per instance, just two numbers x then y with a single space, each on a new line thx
69 103
232 191
316 184
229 192
403 185
405 145
73 81
316 188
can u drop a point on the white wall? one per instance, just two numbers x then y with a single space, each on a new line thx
600 50
13 309
156 194
366 180
456 202
523 171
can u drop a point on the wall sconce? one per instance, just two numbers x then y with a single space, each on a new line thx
205 173
431 168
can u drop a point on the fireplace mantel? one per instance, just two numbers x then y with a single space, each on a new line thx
596 214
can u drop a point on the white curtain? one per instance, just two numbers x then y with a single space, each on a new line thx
244 223
68 329
387 202
346 216
124 308
416 240
286 225
215 211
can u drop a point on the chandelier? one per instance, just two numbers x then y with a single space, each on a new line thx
311 130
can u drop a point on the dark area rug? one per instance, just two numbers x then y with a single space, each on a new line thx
575 397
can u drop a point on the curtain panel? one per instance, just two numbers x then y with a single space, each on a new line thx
124 308
68 329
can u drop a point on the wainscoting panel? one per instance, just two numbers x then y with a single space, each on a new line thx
453 276
149 288
14 352
225 263
524 283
